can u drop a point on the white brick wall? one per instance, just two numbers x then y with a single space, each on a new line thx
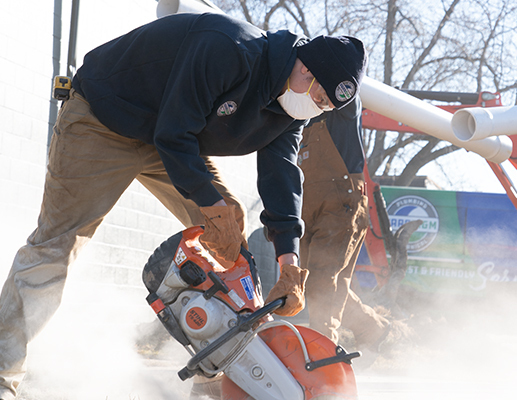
25 78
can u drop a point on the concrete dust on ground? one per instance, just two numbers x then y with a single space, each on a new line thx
462 348
90 351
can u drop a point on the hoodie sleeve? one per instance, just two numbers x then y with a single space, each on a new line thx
198 77
280 187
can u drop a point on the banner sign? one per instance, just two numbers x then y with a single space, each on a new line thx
466 244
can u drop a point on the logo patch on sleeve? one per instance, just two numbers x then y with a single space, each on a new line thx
227 108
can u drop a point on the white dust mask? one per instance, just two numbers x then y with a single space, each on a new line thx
299 105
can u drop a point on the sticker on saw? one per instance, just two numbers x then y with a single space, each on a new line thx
236 298
196 318
247 285
180 256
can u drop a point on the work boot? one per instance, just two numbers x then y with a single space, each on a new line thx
206 389
386 341
397 334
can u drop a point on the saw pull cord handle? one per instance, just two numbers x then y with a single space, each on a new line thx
243 324
219 285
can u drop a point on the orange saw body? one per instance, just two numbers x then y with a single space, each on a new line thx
219 316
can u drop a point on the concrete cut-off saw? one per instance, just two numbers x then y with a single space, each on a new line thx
219 316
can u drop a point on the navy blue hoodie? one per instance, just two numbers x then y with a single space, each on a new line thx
205 84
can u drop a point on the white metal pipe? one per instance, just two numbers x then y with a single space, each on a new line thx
478 123
169 7
434 121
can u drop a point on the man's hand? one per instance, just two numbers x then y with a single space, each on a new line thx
291 284
222 233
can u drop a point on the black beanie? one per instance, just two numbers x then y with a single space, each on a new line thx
338 63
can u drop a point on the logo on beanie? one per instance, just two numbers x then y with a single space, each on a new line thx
345 91
227 108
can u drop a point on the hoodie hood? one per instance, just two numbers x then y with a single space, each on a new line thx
281 56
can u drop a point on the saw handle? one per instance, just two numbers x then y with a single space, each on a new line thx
275 303
243 324
341 356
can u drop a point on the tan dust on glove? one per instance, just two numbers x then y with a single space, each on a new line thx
291 284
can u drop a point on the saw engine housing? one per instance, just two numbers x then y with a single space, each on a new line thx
218 315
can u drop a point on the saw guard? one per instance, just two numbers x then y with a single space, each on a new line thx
332 382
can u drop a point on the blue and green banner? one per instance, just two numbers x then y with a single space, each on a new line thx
466 244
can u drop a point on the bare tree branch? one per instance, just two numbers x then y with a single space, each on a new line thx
299 18
270 13
388 44
378 152
488 43
246 12
432 43
423 157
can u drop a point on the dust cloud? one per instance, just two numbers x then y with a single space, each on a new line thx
464 341
460 348
93 349
100 345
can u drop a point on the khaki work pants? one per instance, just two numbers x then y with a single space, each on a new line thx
88 170
335 212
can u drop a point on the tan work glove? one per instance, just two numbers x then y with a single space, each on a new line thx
291 284
222 233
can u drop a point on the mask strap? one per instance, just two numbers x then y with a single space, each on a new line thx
312 83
